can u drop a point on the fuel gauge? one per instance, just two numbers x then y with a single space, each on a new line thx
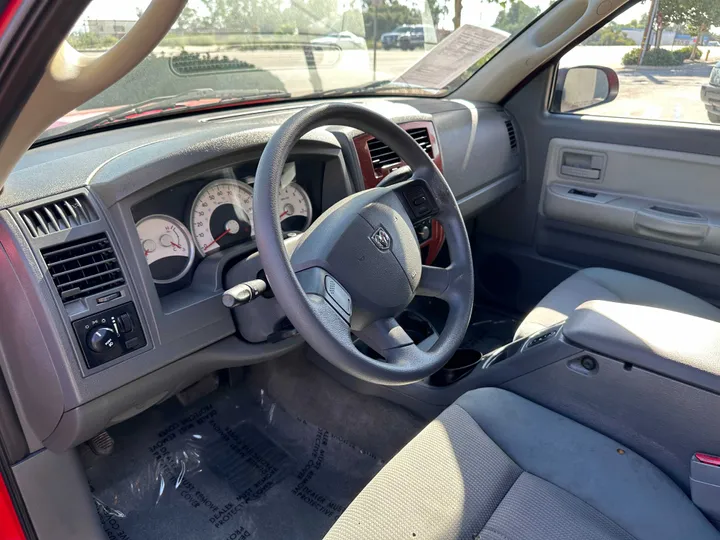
168 249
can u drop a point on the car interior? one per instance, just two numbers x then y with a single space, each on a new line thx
481 314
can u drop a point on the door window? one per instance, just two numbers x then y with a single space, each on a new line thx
667 63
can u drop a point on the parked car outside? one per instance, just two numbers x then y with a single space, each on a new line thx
710 95
344 40
389 40
412 39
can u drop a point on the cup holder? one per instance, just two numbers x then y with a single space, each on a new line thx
461 363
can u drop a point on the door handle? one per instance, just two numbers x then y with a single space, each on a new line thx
580 172
673 227
582 165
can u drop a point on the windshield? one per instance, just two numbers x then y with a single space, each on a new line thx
237 52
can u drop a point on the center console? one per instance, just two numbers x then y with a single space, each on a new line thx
675 345
502 364
646 377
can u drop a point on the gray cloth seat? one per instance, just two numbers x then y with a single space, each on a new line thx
606 284
495 466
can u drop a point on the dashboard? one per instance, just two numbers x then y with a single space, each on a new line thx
116 247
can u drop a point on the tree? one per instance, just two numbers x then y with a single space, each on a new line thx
697 15
516 17
312 16
255 16
390 15
263 16
638 23
217 14
609 35
353 21
458 13
188 21
437 10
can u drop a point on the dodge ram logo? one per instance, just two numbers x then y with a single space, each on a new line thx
381 239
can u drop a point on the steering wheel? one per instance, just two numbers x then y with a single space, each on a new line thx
359 265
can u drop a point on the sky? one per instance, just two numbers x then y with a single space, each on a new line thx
474 11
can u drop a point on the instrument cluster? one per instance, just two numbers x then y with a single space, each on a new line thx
186 224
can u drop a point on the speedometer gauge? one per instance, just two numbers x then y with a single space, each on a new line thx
221 215
295 208
167 245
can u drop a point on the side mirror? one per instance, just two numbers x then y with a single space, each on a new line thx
582 87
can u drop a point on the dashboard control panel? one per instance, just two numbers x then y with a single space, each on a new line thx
423 230
419 202
109 334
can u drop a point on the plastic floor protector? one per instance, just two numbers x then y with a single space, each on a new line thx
227 468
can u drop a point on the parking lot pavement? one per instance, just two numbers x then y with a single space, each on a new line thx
645 93
657 97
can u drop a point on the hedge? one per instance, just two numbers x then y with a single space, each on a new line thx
659 57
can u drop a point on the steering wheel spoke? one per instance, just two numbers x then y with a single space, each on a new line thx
384 335
330 317
317 281
435 282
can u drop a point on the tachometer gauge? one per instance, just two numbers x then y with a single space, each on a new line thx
221 215
295 208
168 247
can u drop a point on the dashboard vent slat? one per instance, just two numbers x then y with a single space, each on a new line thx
382 156
83 267
77 257
58 216
511 135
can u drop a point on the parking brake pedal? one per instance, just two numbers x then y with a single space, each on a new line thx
206 385
102 444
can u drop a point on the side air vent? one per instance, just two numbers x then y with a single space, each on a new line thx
83 267
58 216
511 135
382 156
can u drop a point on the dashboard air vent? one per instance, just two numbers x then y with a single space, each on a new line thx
83 267
383 156
511 134
58 215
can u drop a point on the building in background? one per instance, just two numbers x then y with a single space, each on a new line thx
636 34
100 27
